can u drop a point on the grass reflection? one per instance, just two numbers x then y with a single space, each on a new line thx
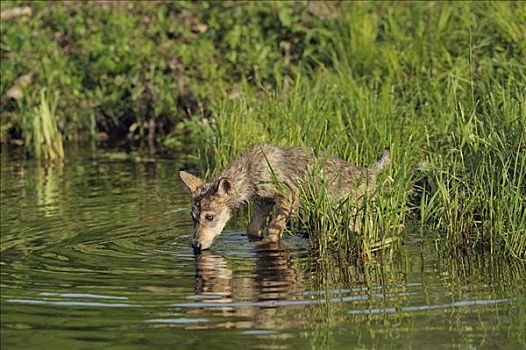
417 302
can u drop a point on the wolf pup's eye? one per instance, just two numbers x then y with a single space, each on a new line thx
209 217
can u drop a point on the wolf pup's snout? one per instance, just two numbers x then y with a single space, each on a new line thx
196 246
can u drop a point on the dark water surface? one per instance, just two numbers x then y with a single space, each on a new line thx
96 254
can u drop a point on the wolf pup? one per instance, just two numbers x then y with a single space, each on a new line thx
252 178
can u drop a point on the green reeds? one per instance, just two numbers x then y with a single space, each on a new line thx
47 140
380 214
435 95
480 197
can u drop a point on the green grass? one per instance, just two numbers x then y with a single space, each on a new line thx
42 130
443 85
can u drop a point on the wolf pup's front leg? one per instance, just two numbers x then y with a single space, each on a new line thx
262 210
282 212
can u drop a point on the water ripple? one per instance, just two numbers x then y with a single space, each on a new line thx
457 304
69 303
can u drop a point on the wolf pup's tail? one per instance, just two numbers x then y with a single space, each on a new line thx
384 162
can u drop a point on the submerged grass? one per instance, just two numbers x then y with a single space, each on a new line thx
443 86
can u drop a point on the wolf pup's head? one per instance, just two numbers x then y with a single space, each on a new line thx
211 208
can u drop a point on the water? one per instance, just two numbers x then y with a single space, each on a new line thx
96 254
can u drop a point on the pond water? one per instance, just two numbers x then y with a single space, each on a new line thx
96 253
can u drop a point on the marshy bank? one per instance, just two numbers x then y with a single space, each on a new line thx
442 85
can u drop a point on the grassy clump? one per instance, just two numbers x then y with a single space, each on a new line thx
46 139
443 85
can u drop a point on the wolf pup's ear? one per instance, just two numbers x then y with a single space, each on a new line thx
224 186
191 181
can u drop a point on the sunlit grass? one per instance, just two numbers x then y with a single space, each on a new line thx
449 100
46 138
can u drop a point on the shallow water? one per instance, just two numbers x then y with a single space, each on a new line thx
96 254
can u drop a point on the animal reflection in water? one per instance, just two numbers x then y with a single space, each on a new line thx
254 298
